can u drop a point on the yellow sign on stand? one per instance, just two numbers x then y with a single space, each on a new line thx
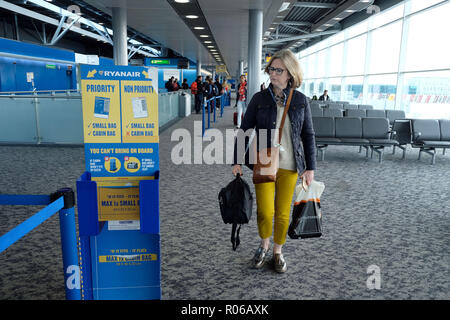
139 105
101 111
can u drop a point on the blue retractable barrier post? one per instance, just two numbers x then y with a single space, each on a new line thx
203 118
214 106
22 229
63 201
208 105
69 244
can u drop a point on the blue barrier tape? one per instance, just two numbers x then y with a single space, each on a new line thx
22 229
19 199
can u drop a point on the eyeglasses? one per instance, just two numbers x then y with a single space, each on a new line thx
278 71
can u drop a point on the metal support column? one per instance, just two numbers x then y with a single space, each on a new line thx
255 32
199 68
119 24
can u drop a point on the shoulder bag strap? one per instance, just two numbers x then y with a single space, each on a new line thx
280 132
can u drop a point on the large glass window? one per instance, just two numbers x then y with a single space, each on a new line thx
356 55
311 66
427 95
304 66
334 88
388 16
417 5
382 90
322 64
385 48
419 71
428 46
353 90
336 59
357 29
338 37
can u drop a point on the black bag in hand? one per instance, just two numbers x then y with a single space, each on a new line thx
236 204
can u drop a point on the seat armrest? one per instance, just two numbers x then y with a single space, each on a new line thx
393 133
417 135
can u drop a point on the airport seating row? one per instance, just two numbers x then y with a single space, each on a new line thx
370 133
392 115
339 105
429 135
375 134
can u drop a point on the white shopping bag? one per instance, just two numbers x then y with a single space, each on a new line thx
306 219
305 193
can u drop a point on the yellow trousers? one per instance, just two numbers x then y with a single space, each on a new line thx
273 199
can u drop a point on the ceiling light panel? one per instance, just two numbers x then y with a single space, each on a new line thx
192 15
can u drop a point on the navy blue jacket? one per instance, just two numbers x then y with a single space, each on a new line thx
262 114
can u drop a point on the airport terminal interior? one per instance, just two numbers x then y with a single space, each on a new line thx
85 103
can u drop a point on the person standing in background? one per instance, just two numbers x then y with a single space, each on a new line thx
241 99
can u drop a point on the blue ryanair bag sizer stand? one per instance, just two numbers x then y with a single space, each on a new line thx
119 264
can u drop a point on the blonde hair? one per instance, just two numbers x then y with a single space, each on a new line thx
292 66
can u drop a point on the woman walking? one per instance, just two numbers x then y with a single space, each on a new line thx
296 156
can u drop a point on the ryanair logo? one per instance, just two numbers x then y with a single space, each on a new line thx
106 73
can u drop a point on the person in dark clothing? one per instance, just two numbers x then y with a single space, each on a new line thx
197 90
169 84
184 85
219 91
296 156
210 92
325 96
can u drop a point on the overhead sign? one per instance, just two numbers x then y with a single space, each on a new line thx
221 68
160 61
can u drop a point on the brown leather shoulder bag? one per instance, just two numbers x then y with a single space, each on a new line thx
267 159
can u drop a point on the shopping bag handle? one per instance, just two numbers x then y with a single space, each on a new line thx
304 185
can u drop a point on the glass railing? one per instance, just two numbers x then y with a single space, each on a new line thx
56 117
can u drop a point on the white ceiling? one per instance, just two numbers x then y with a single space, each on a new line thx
227 19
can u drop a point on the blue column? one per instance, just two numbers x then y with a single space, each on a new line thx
69 246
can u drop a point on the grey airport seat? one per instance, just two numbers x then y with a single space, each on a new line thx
351 106
349 131
324 129
371 134
393 115
365 106
375 113
316 111
355 113
335 106
327 112
427 136
445 131
402 133
314 103
377 131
